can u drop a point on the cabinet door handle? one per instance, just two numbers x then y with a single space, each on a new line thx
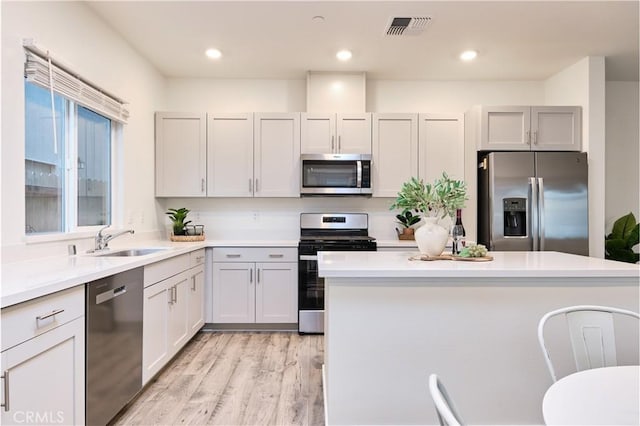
5 404
258 275
339 144
333 145
535 137
175 293
250 275
202 185
257 187
50 314
233 255
193 283
276 255
528 137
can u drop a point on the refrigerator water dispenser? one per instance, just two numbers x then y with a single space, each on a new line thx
515 217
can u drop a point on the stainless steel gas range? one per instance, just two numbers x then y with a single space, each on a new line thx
324 232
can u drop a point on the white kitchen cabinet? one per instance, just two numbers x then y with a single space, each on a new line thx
43 361
233 292
181 154
178 304
254 285
329 133
276 162
155 349
441 146
253 155
195 311
525 128
395 152
173 309
230 155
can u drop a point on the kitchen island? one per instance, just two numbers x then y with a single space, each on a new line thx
391 321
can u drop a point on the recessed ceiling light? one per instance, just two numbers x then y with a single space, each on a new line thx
344 55
468 55
213 53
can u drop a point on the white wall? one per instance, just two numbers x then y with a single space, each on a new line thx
73 33
583 83
622 151
449 96
226 95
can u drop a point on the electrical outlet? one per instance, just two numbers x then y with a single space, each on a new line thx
141 217
256 216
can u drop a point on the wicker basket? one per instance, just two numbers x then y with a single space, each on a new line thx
187 238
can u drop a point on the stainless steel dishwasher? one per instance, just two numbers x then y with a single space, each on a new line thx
114 344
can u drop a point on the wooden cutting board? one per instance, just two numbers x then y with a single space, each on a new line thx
451 257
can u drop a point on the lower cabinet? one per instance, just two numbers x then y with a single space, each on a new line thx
43 377
255 285
173 312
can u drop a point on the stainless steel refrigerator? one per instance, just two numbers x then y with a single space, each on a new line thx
533 201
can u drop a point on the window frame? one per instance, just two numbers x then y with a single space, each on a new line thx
71 228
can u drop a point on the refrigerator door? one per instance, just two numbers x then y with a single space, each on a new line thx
564 211
504 208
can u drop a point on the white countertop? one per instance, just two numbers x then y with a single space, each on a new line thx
29 279
505 264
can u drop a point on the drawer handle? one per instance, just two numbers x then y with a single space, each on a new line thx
199 259
50 314
233 255
5 376
276 255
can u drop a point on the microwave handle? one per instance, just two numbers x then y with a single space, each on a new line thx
358 174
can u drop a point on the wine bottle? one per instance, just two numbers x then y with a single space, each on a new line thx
462 240
458 234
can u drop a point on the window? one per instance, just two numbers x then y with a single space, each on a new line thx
70 126
68 178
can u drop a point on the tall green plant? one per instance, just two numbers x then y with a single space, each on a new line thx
441 198
618 245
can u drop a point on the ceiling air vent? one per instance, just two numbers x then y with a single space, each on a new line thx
407 26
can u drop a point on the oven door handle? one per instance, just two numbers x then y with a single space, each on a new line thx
308 257
358 174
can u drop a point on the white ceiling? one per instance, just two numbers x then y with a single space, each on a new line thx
279 40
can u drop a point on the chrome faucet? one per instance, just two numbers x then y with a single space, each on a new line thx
102 241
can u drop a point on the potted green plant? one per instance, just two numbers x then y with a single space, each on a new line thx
407 220
436 201
178 217
618 245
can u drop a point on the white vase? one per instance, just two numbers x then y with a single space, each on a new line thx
431 237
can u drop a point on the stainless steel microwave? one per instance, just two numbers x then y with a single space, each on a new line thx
336 174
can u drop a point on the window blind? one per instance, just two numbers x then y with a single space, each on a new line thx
73 87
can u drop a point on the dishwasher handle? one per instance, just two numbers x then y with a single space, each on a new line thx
110 294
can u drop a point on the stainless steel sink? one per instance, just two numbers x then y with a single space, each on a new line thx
134 252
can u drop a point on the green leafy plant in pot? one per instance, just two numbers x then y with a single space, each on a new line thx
407 220
618 245
178 217
435 200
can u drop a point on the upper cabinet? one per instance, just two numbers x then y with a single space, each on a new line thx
538 128
181 154
253 155
420 145
395 152
441 146
329 133
230 155
276 147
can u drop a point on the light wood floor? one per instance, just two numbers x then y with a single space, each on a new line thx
236 378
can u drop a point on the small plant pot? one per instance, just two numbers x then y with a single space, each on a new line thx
406 234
